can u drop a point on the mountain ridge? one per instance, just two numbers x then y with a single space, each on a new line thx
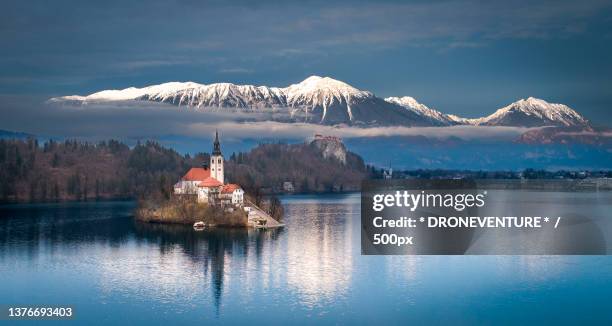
324 100
531 111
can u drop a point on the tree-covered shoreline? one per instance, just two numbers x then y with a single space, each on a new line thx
81 171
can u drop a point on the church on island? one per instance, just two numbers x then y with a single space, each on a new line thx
207 183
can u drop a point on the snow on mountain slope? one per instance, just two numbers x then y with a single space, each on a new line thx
190 94
313 92
221 95
324 93
460 120
324 100
421 109
316 100
131 93
328 101
532 112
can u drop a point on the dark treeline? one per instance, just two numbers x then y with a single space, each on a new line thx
77 170
74 170
524 174
266 167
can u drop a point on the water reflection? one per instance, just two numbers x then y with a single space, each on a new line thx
95 255
162 260
320 250
212 252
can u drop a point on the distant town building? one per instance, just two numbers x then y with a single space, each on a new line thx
288 186
207 184
388 174
328 138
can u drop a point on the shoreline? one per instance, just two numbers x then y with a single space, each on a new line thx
564 185
176 210
128 199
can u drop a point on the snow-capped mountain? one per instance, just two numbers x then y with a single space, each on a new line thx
329 101
324 100
190 94
435 116
325 97
220 95
316 99
532 112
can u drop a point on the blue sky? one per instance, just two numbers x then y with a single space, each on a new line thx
461 57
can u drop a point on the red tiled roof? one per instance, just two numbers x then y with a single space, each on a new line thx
210 182
229 188
196 174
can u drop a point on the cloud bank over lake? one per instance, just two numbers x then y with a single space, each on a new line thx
154 120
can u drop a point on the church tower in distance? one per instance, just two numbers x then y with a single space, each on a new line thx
216 161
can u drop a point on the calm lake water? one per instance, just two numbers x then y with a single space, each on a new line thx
112 269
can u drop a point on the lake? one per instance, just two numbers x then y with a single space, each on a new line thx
95 257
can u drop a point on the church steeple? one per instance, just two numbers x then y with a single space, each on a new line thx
216 160
216 145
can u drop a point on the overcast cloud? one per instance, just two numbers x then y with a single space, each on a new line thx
464 57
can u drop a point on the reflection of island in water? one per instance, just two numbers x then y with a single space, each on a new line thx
97 256
209 248
108 226
313 257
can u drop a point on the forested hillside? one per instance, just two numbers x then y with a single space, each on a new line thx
304 165
74 170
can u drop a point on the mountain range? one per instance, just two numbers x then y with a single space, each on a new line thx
324 100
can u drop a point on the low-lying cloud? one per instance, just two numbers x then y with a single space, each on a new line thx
272 129
154 120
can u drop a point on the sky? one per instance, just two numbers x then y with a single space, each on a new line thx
462 57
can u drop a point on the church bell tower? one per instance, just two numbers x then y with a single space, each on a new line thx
216 161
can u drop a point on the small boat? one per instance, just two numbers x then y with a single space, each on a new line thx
261 224
198 226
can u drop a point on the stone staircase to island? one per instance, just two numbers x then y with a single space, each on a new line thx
257 218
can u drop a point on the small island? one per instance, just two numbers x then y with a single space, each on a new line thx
202 198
